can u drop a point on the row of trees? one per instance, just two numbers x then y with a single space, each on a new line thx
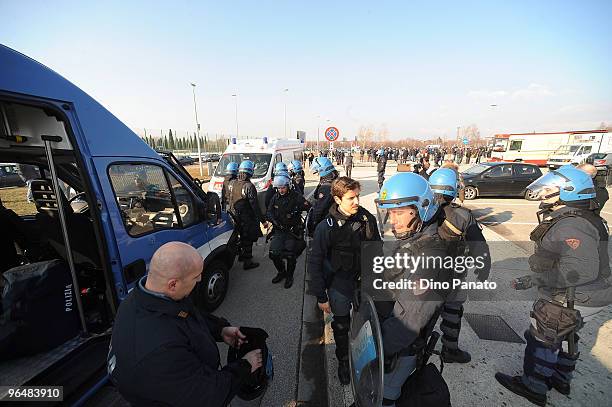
173 142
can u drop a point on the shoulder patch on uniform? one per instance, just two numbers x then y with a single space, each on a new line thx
573 243
321 195
183 314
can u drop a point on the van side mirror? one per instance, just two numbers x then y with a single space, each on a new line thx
213 208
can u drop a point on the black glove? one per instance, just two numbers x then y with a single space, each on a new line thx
482 274
522 283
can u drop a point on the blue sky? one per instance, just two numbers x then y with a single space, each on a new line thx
416 68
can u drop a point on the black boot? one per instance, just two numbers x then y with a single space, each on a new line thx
455 355
249 264
344 372
280 270
290 269
561 387
516 386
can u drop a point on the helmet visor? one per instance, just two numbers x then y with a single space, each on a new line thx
546 187
401 221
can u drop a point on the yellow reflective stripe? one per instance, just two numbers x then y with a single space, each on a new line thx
452 227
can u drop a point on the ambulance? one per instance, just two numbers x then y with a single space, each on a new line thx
265 154
532 148
78 240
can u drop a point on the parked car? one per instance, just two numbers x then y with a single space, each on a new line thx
603 161
210 157
186 160
499 179
9 177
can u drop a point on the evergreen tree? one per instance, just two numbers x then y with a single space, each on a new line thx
171 144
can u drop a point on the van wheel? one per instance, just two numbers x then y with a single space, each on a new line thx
213 287
470 193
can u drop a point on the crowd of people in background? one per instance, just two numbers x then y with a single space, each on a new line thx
404 155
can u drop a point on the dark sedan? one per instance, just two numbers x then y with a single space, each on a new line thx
499 179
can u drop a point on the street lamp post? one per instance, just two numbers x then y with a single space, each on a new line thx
318 128
235 96
195 108
286 90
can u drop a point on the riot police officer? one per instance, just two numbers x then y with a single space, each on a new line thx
380 167
571 267
231 172
407 206
245 210
322 194
287 241
460 229
297 176
334 263
279 168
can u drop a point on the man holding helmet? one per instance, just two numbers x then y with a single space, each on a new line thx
571 267
231 171
464 237
245 210
287 242
407 207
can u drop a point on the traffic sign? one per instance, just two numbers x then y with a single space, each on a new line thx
332 134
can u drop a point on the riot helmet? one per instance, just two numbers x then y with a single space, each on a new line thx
247 167
564 185
231 168
405 202
255 385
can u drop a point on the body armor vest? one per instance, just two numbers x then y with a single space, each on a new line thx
542 259
345 238
236 194
286 209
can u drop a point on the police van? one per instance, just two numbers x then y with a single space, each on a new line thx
102 202
265 154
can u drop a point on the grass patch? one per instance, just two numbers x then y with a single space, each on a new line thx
15 199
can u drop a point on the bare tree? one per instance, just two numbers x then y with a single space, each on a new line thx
365 136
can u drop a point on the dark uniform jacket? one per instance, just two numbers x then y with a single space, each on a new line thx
164 352
571 250
464 235
336 249
410 312
245 209
225 190
323 201
285 211
299 182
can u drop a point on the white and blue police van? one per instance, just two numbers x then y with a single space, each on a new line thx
101 203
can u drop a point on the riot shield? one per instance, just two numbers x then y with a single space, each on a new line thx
366 355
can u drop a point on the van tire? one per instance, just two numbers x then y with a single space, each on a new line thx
211 291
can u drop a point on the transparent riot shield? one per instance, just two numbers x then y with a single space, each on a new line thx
366 355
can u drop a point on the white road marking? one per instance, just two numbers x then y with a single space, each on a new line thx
508 223
505 204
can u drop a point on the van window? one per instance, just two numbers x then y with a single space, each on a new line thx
144 198
516 145
586 149
184 201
